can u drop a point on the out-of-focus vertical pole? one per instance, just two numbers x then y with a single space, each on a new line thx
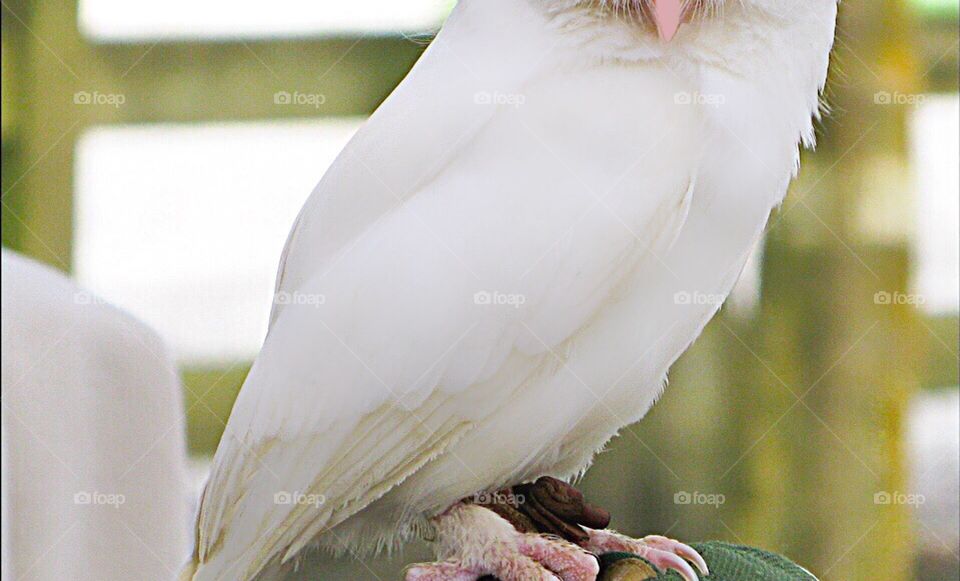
839 341
49 68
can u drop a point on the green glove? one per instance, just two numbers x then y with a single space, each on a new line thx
727 563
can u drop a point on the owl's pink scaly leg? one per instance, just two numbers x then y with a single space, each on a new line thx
473 541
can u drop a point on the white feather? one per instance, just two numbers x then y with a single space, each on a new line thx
584 194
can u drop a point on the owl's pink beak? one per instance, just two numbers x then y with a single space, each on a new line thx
667 14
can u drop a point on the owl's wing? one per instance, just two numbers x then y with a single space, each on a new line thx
431 117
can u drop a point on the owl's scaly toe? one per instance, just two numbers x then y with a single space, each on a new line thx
663 553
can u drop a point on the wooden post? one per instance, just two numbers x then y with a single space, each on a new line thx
838 346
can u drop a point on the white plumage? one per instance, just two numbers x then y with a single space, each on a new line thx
486 286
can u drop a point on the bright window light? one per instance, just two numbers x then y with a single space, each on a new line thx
934 130
125 21
944 7
183 225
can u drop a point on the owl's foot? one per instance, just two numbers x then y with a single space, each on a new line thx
476 542
555 507
663 553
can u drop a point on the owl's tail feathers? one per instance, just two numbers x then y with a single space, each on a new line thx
194 570
191 568
189 571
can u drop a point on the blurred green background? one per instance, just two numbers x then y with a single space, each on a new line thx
160 152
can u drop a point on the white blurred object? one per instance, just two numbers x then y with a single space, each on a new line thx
934 443
183 225
5 565
94 481
935 152
119 20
